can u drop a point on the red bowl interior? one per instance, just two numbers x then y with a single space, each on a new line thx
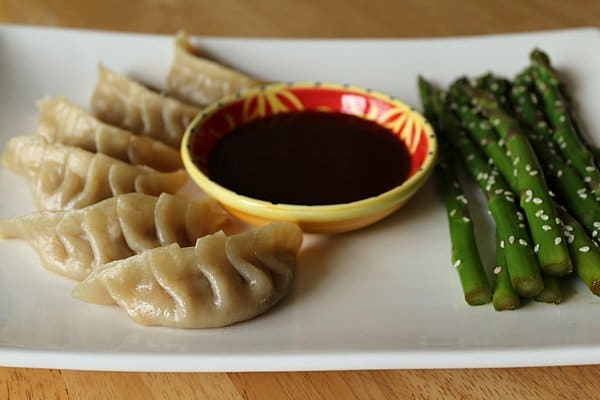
222 118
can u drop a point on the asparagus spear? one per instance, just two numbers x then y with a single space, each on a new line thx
521 261
570 187
482 131
465 256
565 133
562 177
533 191
551 292
584 252
505 297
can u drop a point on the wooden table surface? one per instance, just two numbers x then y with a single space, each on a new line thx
310 18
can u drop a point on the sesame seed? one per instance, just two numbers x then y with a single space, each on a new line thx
523 242
563 145
462 198
536 248
545 217
594 233
539 213
499 191
453 212
466 219
570 239
521 226
533 173
567 234
596 224
510 199
528 167
581 190
520 215
533 99
559 173
587 179
502 244
584 249
546 227
497 270
537 201
516 160
496 121
457 263
562 118
589 168
569 228
511 239
557 241
583 195
558 221
551 193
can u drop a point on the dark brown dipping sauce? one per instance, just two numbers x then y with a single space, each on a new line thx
309 158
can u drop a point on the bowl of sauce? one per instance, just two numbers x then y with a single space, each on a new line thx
329 157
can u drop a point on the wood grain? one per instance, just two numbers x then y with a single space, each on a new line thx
309 18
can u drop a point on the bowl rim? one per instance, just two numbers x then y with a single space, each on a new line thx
338 211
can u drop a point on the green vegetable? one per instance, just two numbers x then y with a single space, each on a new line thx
505 297
534 195
565 132
520 259
562 177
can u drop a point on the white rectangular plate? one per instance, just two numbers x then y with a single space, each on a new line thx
382 297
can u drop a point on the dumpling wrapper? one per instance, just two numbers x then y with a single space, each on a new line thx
220 281
196 80
123 102
65 177
63 122
73 243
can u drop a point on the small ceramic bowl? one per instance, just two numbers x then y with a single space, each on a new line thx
222 117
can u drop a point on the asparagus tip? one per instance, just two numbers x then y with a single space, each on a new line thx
538 55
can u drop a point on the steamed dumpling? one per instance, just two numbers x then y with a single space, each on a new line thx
72 243
63 122
220 281
64 177
123 102
196 80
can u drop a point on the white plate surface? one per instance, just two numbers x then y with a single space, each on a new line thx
382 297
